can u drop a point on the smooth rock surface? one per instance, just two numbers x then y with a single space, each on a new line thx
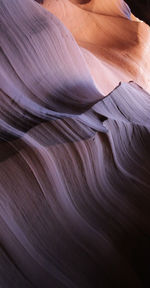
74 145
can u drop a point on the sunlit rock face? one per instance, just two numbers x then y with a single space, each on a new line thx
141 9
114 47
74 145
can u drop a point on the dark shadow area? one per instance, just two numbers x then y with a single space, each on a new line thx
141 9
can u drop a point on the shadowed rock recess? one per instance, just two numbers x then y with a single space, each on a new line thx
141 8
74 144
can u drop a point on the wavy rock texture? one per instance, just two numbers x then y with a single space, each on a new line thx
74 164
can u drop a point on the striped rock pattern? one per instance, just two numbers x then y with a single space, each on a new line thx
74 145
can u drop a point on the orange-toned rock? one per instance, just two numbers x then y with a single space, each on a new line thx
108 30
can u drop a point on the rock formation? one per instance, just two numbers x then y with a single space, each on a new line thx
74 145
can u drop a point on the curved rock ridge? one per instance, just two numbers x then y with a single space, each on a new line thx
74 146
